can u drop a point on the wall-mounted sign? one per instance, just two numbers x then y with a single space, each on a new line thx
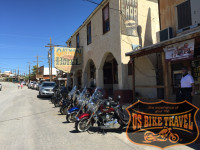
62 79
183 50
129 16
67 59
162 124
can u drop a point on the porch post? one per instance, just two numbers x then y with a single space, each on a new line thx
74 78
84 80
122 76
165 77
99 78
133 76
68 79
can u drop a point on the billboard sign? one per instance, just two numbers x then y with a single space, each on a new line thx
67 58
183 50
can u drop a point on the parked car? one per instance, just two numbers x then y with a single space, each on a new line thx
46 89
0 86
35 85
30 85
39 85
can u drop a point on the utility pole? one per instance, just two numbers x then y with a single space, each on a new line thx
37 62
29 71
50 56
49 61
50 53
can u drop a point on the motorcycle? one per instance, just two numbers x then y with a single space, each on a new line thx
81 106
70 101
104 113
59 96
55 95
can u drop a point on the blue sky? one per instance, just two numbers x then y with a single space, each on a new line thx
26 26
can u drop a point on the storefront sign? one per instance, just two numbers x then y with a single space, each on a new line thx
67 58
183 50
162 124
129 21
62 79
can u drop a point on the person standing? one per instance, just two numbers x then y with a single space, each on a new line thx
18 85
187 89
21 85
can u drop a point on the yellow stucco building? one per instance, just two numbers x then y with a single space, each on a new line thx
114 28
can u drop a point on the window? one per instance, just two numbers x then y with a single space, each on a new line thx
89 34
106 19
70 44
77 41
184 15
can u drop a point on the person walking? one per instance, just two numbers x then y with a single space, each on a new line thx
21 85
187 89
18 85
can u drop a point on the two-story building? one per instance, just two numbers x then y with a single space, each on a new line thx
178 45
114 28
43 73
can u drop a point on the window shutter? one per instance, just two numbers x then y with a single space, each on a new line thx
184 15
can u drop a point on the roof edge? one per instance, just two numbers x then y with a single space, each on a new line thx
87 19
167 42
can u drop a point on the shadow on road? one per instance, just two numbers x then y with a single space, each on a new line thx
97 130
60 114
43 97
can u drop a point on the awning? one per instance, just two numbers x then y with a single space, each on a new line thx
158 46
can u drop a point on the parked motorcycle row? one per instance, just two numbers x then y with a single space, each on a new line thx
90 109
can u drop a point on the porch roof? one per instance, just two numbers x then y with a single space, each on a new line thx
157 47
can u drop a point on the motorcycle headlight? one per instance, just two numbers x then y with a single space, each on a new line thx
77 119
91 107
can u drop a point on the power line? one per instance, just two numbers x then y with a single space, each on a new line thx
16 58
100 4
121 13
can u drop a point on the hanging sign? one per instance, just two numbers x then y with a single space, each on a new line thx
183 50
67 59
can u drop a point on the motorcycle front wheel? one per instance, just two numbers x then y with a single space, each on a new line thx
81 126
71 117
62 111
52 99
56 104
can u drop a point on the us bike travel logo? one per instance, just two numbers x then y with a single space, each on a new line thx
162 124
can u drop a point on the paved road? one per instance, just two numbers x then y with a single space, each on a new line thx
29 123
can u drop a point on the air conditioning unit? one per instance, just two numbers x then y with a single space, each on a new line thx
164 35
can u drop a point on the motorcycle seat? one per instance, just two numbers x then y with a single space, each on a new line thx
114 104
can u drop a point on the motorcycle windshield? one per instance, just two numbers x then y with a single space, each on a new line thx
73 91
81 97
95 96
83 92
